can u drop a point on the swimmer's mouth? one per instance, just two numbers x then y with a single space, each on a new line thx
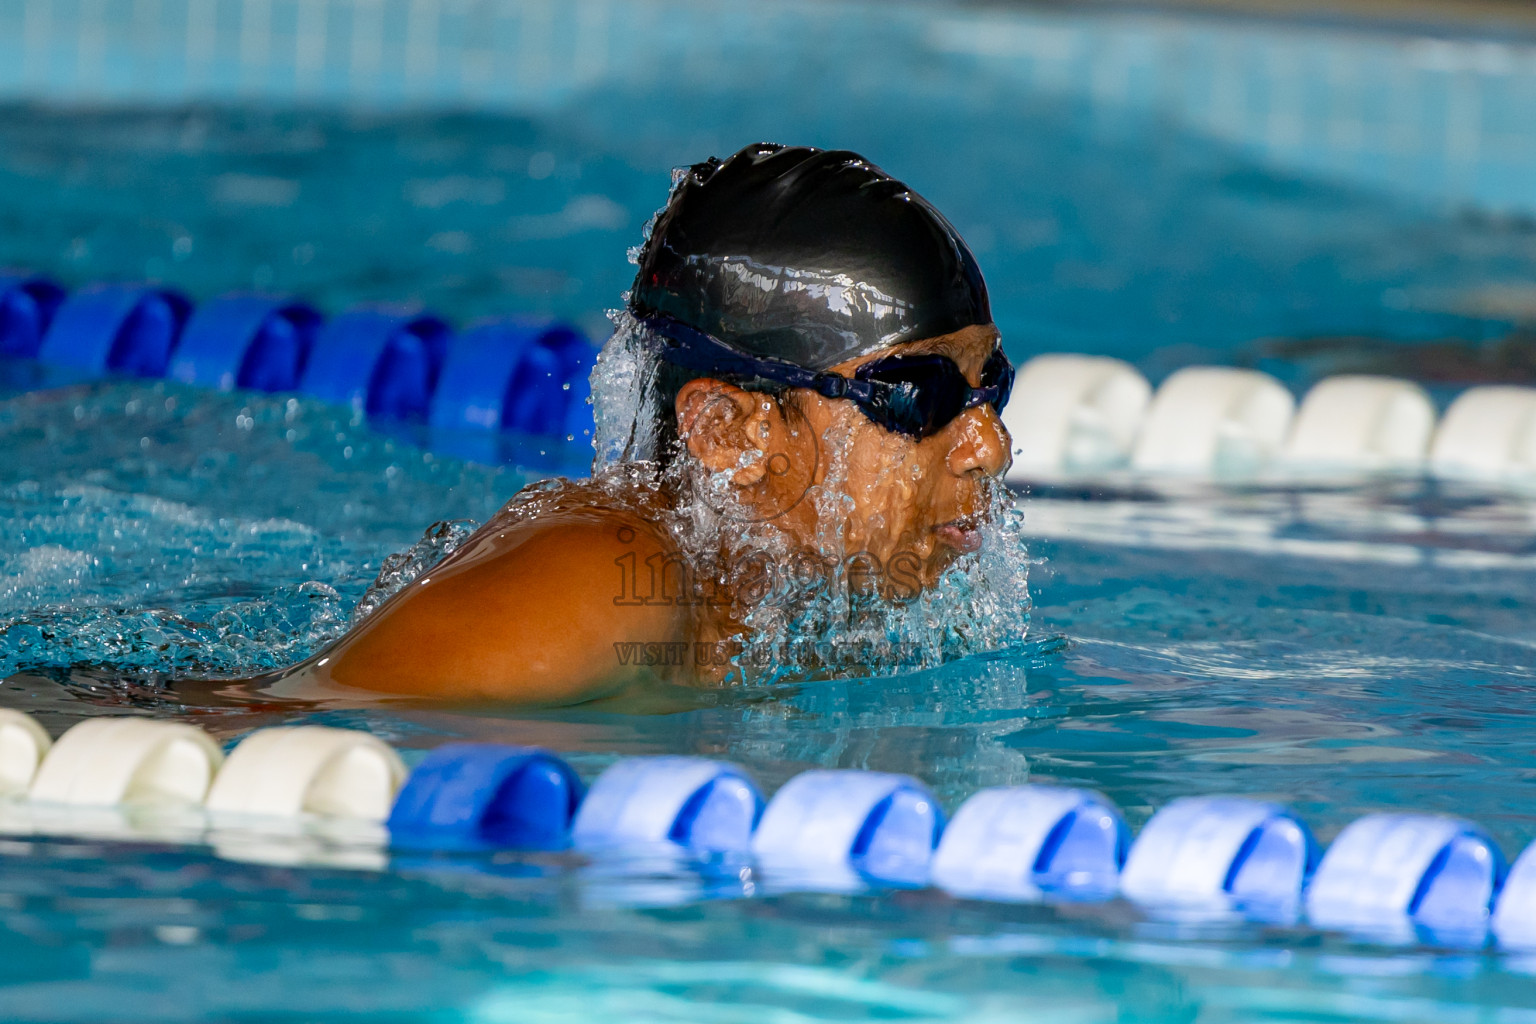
963 534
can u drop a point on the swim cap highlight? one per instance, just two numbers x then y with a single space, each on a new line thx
805 255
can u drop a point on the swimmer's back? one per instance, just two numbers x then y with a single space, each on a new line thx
532 608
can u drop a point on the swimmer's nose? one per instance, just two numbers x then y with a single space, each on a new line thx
982 443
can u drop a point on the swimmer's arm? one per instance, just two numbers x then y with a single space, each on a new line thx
534 613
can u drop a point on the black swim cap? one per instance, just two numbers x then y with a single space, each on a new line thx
807 255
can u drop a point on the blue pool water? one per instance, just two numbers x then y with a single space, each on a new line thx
1097 231
1342 651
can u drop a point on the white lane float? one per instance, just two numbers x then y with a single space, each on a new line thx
23 744
840 829
309 769
1214 421
1215 855
1073 414
646 818
107 762
1021 843
1387 874
691 803
1488 433
1361 423
1514 917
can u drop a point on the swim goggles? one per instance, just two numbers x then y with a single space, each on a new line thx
916 395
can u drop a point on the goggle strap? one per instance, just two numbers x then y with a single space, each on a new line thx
700 352
697 351
694 350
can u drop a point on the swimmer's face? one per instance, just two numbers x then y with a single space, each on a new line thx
918 500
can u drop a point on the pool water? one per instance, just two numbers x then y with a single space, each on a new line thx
1098 230
1342 650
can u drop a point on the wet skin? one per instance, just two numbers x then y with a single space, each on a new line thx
525 611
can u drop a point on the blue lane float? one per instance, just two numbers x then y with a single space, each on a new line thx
1514 916
499 393
27 306
379 362
1221 854
1387 873
246 341
116 328
484 795
546 383
1023 842
505 373
690 803
837 829
507 376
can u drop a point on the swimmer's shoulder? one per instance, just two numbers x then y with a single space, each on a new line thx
582 524
607 498
533 607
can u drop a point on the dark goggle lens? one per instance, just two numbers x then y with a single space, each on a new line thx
930 391
927 392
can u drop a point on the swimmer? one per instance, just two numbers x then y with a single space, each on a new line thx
811 358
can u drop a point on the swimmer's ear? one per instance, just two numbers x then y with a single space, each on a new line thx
720 423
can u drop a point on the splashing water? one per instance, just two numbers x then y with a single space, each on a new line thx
399 570
156 529
979 605
625 407
827 620
800 624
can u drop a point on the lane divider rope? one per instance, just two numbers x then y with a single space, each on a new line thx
1386 877
104 762
1076 417
1071 416
691 802
309 769
501 377
479 795
23 745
